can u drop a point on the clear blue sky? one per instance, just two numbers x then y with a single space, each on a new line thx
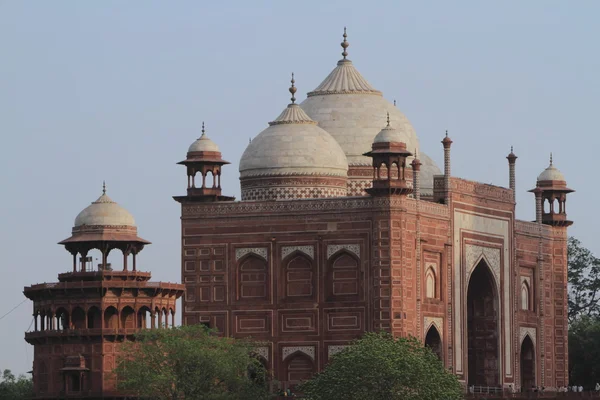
117 90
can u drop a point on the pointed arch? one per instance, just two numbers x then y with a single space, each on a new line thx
111 318
299 277
433 340
299 367
253 278
430 283
78 318
127 318
94 318
525 296
62 319
343 277
483 327
144 318
527 359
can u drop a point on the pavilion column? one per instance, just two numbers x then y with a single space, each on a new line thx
74 262
173 319
35 321
134 267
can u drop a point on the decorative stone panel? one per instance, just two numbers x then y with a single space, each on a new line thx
308 250
438 322
334 248
288 351
531 332
288 193
263 352
334 349
474 253
259 251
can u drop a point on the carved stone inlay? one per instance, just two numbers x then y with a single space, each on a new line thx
438 322
334 349
308 250
308 350
532 332
263 352
334 248
473 253
259 251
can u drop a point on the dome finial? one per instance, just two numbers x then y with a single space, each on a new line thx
388 119
394 102
345 45
293 90
511 149
203 130
446 132
550 158
103 187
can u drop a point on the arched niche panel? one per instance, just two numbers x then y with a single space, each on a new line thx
111 318
94 318
253 278
127 318
433 340
78 318
343 281
299 277
430 284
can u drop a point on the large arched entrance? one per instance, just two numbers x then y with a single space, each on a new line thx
482 328
433 341
527 363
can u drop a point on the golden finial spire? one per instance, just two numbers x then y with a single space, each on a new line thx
203 130
103 187
550 158
293 89
388 119
345 45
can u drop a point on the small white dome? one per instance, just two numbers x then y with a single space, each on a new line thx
104 212
388 135
293 144
203 144
551 174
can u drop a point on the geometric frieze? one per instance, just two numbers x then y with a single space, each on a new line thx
308 250
334 248
259 251
526 331
334 349
438 322
474 253
308 350
263 352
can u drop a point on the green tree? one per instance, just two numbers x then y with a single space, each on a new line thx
12 388
379 367
190 362
584 352
584 281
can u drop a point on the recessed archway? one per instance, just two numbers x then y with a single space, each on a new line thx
482 328
434 341
527 363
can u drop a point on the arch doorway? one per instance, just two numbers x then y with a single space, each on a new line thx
527 363
482 328
434 342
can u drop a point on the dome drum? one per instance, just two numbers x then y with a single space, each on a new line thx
292 187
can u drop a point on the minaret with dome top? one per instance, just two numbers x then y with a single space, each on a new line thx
81 321
551 196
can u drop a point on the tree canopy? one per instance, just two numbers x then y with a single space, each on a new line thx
190 362
584 281
13 388
380 367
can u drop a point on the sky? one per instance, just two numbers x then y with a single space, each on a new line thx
117 91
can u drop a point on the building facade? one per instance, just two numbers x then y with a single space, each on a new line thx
344 227
82 321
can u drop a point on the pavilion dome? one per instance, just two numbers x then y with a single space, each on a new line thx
388 134
551 174
203 143
104 212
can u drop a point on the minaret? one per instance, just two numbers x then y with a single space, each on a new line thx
551 190
81 321
446 142
389 151
512 158
203 159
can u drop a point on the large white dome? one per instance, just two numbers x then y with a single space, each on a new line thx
293 144
353 112
104 212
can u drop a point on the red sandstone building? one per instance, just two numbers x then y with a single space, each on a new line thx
342 229
81 321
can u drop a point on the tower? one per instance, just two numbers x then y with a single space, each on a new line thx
204 157
81 321
551 193
389 163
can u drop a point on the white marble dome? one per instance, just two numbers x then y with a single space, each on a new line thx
353 112
551 174
388 135
203 143
104 212
293 144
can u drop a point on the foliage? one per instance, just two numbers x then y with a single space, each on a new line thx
379 367
584 352
190 362
584 281
12 388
